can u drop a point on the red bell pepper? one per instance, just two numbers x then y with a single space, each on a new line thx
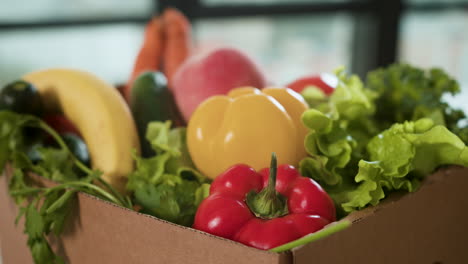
325 82
245 206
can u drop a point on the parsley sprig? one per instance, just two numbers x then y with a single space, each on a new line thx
45 209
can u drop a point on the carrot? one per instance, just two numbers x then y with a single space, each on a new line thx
178 41
149 57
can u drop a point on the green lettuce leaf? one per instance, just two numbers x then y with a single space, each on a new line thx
167 185
365 142
314 96
339 131
351 100
408 93
399 158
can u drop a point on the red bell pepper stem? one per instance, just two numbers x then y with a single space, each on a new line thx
268 203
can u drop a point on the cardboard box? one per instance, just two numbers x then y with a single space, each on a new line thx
427 226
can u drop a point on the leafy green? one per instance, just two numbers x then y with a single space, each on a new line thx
321 234
313 95
408 93
338 132
364 142
45 209
167 185
359 152
55 164
401 156
11 134
350 99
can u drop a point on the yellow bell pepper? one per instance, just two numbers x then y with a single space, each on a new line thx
245 127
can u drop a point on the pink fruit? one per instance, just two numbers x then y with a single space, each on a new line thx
213 73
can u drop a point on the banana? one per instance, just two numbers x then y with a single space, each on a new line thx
100 114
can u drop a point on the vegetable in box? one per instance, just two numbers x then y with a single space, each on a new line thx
364 141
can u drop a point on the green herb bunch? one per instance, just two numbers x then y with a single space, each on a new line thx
45 209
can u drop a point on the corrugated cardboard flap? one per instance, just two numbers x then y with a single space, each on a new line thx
101 232
423 227
427 226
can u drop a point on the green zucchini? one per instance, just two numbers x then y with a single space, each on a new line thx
151 100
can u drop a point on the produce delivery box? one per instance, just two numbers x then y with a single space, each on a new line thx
361 171
427 226
386 186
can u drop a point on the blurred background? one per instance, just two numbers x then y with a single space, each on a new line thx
288 38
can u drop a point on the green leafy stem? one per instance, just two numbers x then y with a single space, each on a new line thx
327 231
46 208
114 196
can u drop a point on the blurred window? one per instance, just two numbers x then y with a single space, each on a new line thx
46 10
266 2
288 38
99 36
107 50
286 47
435 1
438 39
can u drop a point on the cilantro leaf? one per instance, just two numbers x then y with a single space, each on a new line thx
12 137
45 209
35 223
56 164
42 253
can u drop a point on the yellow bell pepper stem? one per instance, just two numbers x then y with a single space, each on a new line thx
245 127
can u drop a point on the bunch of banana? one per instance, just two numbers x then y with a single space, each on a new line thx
100 114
